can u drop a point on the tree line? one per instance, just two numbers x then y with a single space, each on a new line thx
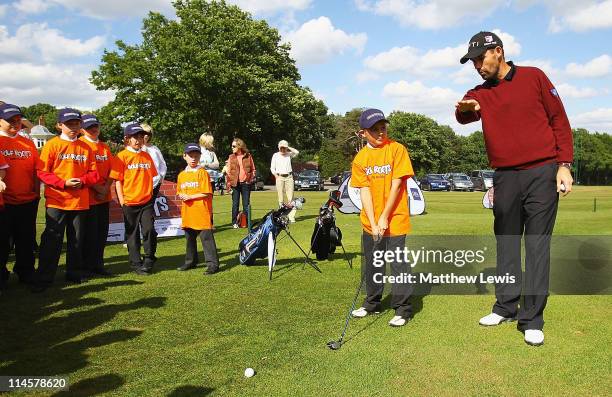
216 69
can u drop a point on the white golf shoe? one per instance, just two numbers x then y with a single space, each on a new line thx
534 337
361 312
493 319
397 321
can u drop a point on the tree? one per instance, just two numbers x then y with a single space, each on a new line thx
49 113
431 146
212 69
337 152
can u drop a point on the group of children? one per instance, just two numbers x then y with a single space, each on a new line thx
78 171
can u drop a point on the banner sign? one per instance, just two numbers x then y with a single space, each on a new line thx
167 209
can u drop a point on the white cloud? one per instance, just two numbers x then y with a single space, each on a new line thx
32 6
271 6
431 14
596 67
3 8
596 120
569 91
110 9
583 16
317 40
27 84
424 63
416 97
36 41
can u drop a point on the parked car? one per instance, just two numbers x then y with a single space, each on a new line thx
434 182
336 179
460 181
309 179
258 182
482 179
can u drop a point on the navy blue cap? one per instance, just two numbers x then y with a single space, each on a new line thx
479 43
7 111
89 120
369 117
68 114
132 129
192 147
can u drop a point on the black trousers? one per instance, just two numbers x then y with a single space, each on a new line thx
244 190
20 224
58 221
95 238
143 216
208 245
400 292
525 203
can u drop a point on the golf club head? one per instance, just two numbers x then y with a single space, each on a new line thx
334 345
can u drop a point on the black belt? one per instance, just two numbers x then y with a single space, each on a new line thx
284 175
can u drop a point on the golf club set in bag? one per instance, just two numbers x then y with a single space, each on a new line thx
261 240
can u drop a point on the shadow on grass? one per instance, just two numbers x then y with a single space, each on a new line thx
42 339
92 386
188 391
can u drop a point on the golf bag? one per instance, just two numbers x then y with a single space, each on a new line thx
326 236
263 234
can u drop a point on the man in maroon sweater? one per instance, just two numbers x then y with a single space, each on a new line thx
529 143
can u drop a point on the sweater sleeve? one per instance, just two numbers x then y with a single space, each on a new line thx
467 117
50 179
273 164
557 118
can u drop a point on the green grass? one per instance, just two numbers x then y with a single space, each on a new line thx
182 334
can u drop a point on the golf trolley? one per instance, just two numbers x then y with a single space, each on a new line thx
326 236
261 240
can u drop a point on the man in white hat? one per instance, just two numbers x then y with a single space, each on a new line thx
282 171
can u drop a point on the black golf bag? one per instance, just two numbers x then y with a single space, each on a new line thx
326 236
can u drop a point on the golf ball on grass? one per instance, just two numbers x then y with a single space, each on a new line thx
249 372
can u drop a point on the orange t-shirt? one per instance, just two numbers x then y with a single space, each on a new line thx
66 159
3 166
195 214
136 171
22 157
376 168
104 160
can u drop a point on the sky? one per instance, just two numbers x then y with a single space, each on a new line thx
388 54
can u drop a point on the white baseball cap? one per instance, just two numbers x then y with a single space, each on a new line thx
283 143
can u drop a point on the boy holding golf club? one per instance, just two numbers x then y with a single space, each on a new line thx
380 170
194 189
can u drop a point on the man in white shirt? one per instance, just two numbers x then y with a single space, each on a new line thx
158 159
282 171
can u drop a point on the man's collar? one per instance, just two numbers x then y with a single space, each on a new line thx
511 72
67 138
131 149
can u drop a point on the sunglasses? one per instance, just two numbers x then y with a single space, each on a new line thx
234 146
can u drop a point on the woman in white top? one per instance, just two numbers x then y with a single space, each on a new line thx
280 167
158 159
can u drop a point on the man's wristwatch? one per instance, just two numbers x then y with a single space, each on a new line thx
566 165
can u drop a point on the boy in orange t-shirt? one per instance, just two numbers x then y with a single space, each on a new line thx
194 188
4 273
99 198
133 170
380 170
67 168
21 196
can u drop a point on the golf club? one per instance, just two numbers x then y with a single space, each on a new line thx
337 344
